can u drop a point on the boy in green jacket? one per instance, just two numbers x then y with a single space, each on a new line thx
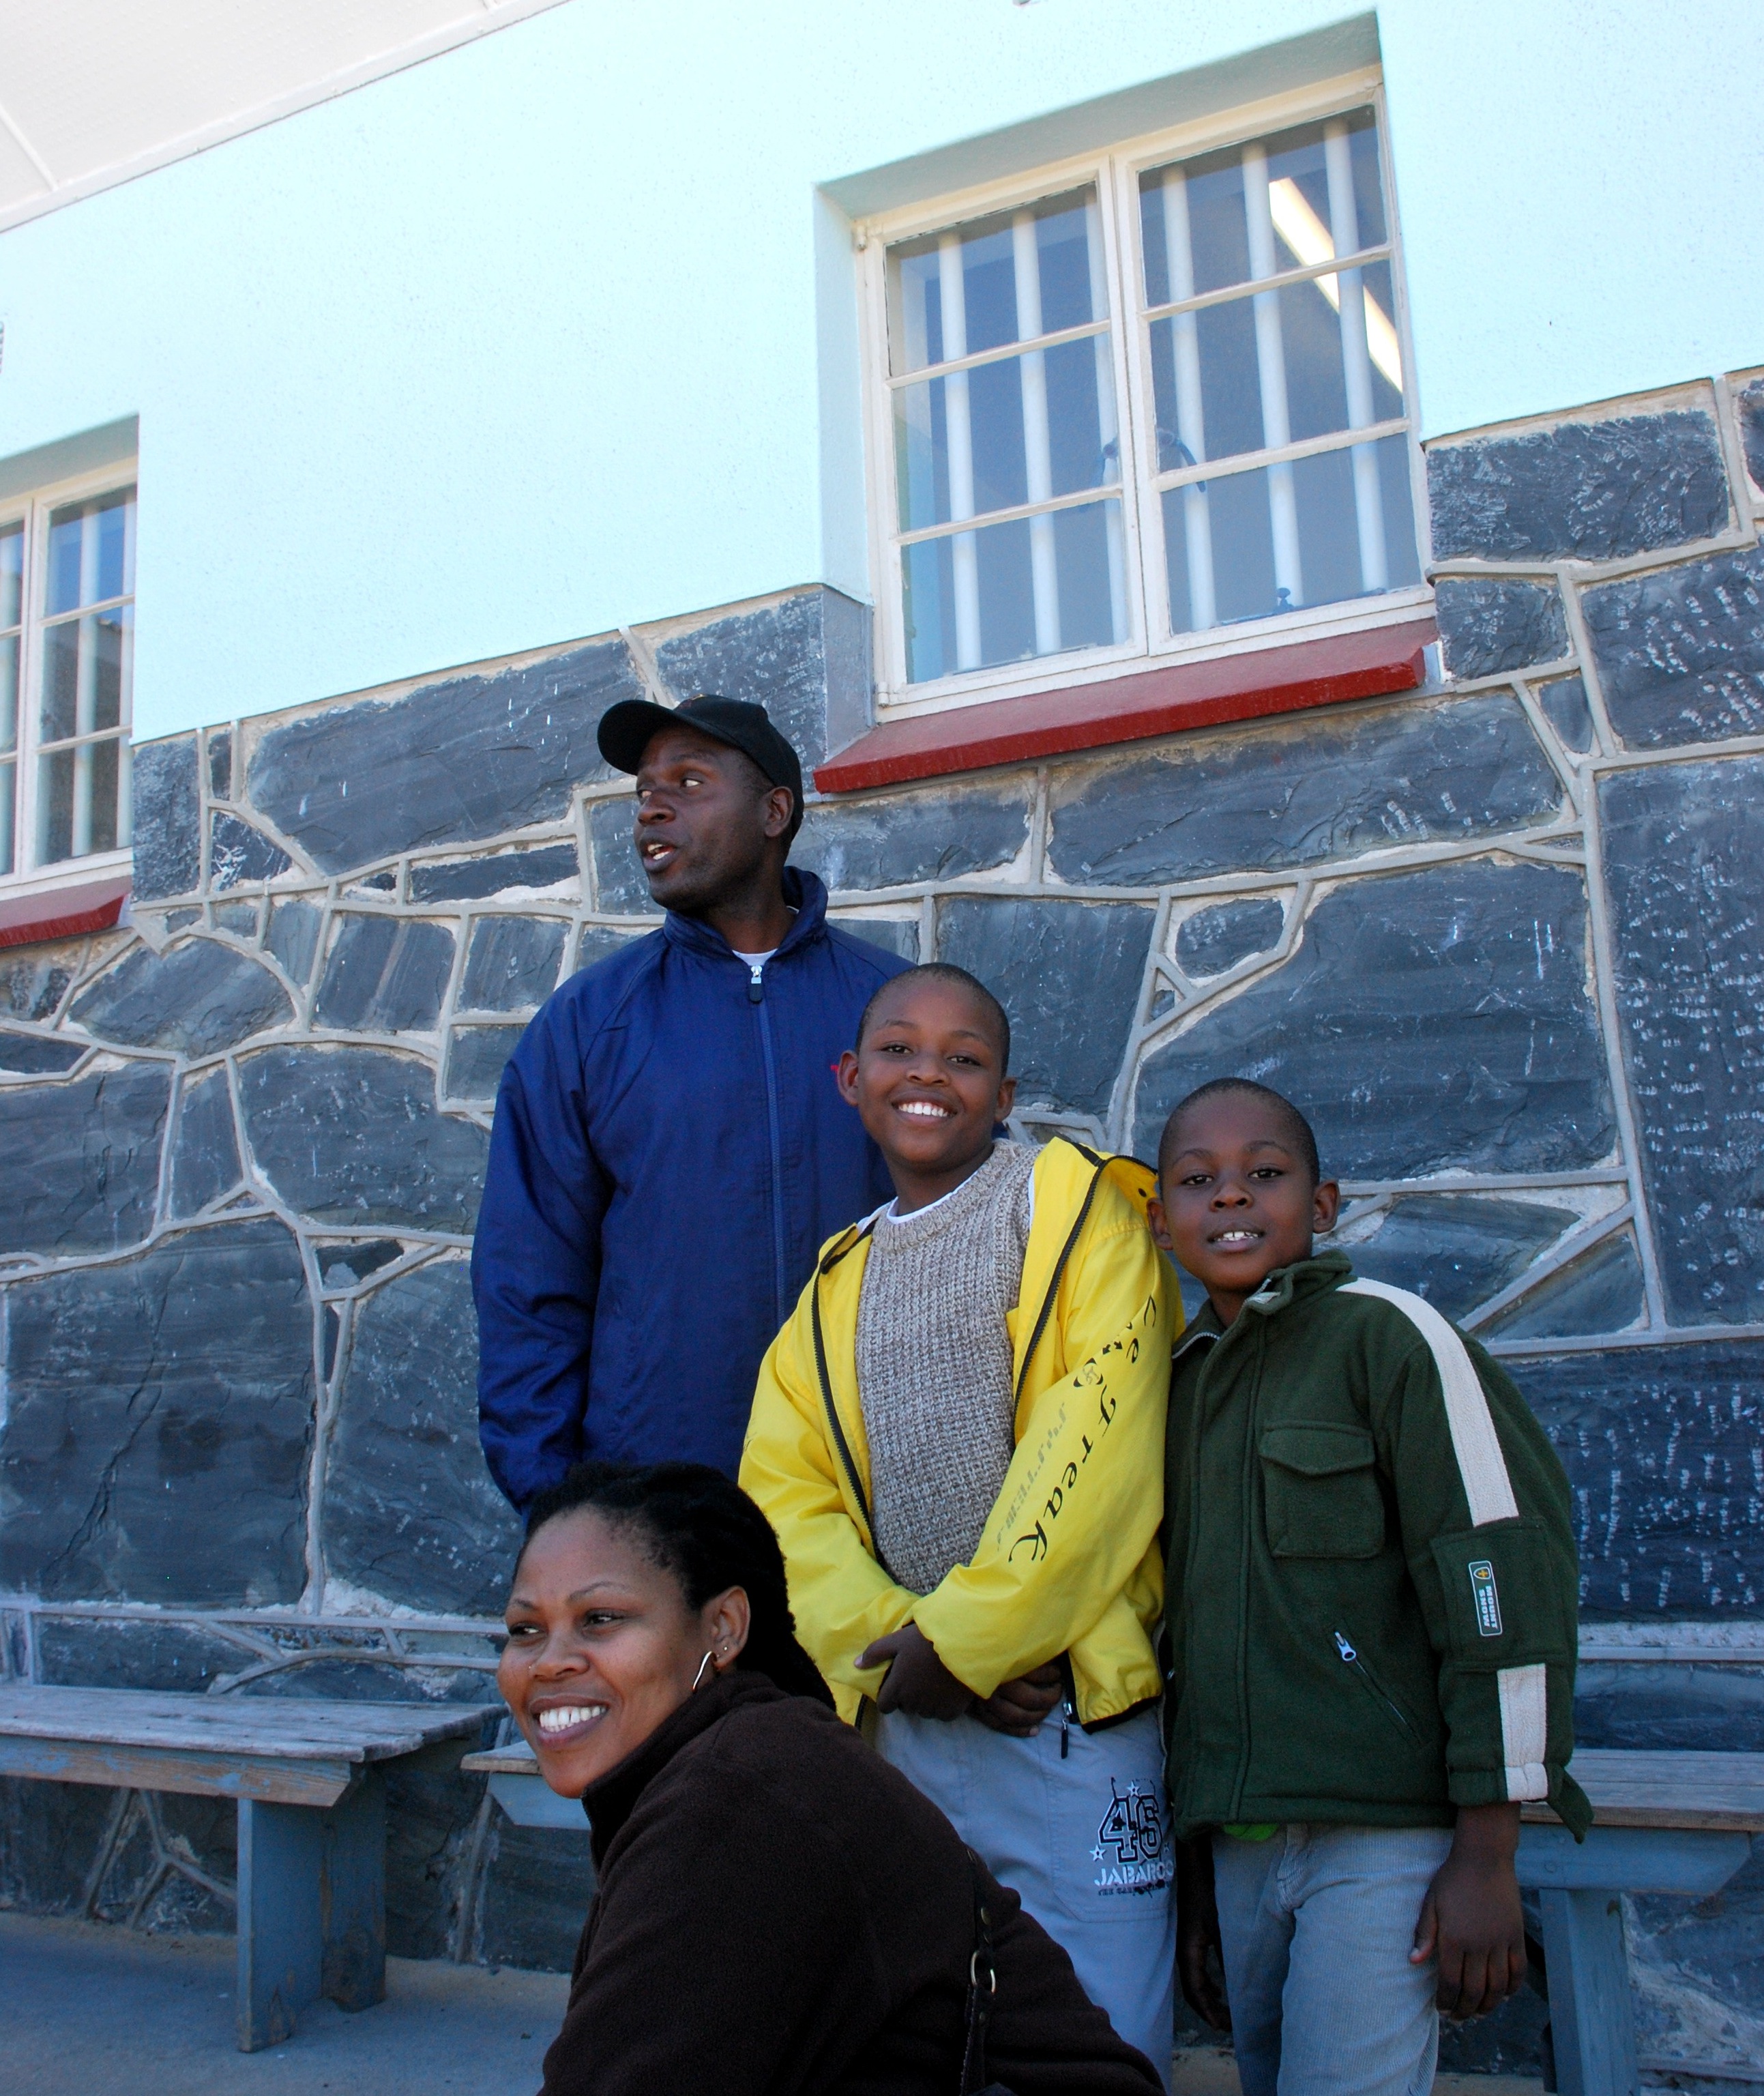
1370 1603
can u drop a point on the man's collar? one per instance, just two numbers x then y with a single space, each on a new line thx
804 892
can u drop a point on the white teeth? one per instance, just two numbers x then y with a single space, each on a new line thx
561 1719
924 1109
1237 1236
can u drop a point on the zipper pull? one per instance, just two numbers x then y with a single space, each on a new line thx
1350 1657
1068 1712
756 993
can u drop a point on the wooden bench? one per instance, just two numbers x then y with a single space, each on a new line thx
1662 1822
308 1778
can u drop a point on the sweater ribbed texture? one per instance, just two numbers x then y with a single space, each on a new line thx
934 1363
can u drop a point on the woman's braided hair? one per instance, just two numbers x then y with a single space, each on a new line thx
706 1532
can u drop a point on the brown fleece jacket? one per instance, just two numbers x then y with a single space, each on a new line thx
780 1913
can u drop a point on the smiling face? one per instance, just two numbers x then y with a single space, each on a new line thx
928 1083
602 1646
1236 1201
707 821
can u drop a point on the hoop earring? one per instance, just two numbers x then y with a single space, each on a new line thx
698 1678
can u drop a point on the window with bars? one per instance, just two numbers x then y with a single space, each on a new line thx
1161 404
67 617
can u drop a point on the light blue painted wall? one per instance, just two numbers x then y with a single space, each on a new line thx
534 339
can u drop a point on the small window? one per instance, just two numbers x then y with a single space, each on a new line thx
1159 407
66 618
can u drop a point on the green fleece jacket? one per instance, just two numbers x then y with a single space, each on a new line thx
1371 1576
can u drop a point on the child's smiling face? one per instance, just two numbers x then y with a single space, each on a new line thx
927 1080
1238 1201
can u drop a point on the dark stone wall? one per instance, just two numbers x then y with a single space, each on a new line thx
1499 935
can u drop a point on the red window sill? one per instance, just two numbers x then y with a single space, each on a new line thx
62 913
1185 695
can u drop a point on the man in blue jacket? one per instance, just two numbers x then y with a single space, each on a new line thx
670 1149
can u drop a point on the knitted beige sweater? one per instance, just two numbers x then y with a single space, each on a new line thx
934 1366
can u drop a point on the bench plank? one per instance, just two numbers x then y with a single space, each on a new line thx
280 1727
307 1780
1687 1790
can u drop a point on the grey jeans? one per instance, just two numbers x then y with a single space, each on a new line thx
1316 1923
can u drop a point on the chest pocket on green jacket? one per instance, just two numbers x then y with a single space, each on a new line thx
1319 1482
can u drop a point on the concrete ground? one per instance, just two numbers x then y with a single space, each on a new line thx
87 2008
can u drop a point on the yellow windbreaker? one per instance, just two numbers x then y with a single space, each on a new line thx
1069 1561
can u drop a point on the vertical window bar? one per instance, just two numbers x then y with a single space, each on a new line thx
959 440
1037 450
85 684
1109 428
1190 422
1271 366
1356 358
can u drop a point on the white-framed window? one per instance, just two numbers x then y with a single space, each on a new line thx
67 633
1150 403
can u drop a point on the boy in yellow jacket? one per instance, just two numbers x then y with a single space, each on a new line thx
958 1437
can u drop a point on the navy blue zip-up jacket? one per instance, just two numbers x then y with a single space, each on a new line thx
670 1152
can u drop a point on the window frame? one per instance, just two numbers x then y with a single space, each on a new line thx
34 509
1116 171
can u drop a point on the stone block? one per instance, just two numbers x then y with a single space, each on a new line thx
158 1415
1564 701
1217 939
239 852
1750 403
475 1058
538 1883
205 1150
349 1265
429 1811
456 761
512 962
75 1652
410 1512
389 1156
168 818
1681 651
805 659
1069 975
466 879
50 1834
385 974
1302 791
1661 1448
1601 1291
1684 864
1582 491
37 1054
240 918
199 997
1457 1250
293 938
1489 624
894 839
1431 1021
220 763
31 985
619 886
80 1161
1669 1705
894 935
598 942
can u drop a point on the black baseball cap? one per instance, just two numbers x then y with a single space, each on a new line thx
627 729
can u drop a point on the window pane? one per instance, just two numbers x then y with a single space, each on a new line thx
1010 277
1023 430
1009 592
1251 545
9 694
91 551
1301 196
12 572
86 673
77 801
9 790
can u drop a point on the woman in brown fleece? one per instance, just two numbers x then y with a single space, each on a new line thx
778 1911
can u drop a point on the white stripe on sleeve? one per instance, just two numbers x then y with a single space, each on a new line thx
1474 1442
1524 1730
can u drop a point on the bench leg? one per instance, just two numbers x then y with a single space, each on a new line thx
1591 2021
281 1926
354 1898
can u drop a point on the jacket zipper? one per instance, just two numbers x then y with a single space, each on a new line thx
1351 1657
756 996
1244 1582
